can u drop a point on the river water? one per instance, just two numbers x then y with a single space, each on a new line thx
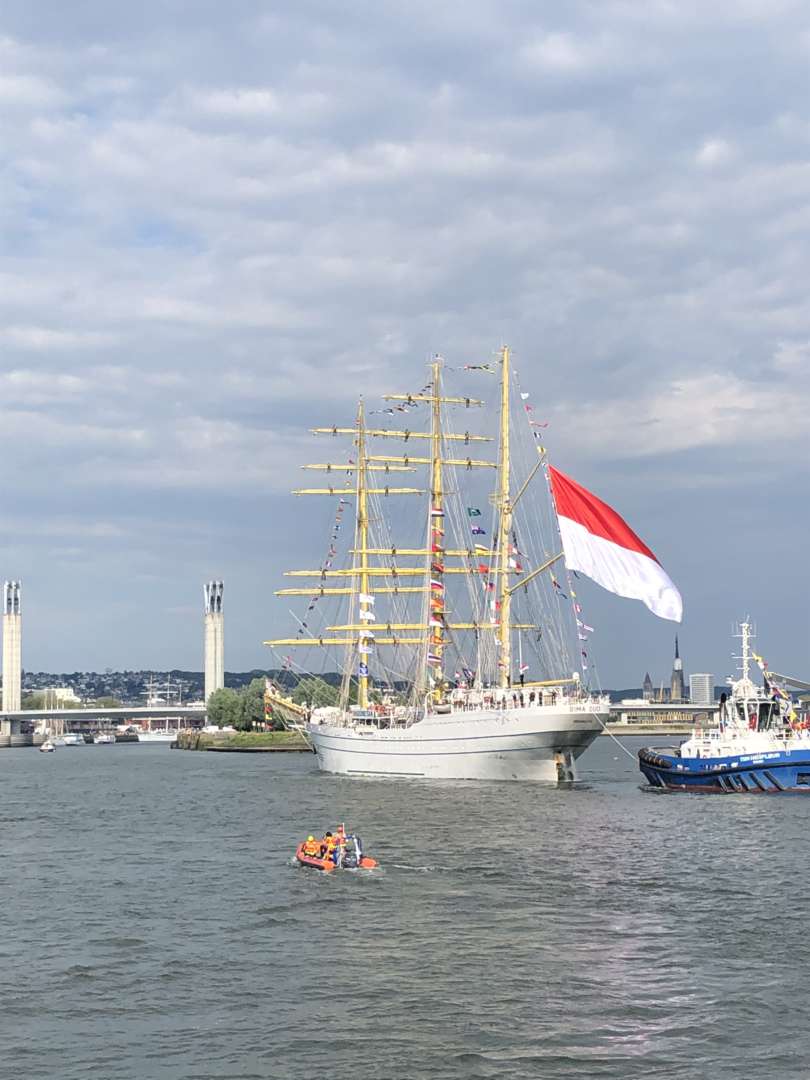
154 927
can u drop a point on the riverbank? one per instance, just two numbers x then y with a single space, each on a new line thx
243 742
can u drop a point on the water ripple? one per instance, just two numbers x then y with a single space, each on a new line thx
156 928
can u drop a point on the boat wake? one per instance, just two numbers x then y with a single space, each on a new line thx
421 869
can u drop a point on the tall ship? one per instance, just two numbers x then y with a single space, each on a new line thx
459 635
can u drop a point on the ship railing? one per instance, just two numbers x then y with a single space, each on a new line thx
515 701
399 717
474 701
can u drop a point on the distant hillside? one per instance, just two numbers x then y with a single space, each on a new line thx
133 686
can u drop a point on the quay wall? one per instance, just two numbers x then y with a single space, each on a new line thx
245 742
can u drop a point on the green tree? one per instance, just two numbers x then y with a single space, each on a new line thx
42 699
224 708
315 691
252 705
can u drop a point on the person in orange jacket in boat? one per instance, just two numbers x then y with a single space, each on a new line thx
311 847
329 847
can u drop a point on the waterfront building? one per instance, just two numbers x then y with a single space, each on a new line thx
635 712
701 689
54 696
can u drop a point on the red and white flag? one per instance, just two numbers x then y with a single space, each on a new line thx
599 543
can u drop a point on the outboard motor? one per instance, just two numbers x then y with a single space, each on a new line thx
351 858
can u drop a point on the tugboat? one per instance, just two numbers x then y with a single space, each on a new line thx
759 746
344 851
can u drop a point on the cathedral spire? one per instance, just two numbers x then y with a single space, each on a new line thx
647 688
677 690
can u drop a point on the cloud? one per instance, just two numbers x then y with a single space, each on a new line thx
71 528
567 54
220 229
25 91
715 153
239 102
37 388
792 356
699 412
254 103
42 338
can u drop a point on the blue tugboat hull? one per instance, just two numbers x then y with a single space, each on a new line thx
772 773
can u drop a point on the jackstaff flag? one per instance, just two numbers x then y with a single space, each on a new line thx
599 543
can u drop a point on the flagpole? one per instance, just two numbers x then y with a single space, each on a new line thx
572 596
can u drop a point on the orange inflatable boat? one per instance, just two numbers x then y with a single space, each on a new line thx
349 856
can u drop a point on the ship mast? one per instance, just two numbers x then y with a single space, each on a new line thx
362 539
436 604
504 532
365 579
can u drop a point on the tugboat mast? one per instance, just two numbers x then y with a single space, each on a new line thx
745 633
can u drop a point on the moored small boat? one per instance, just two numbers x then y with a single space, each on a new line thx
46 747
759 747
168 736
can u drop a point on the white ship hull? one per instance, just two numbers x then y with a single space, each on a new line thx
538 743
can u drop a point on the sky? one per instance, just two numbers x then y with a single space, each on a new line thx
220 223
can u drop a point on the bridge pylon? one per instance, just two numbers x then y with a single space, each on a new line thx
12 646
214 637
